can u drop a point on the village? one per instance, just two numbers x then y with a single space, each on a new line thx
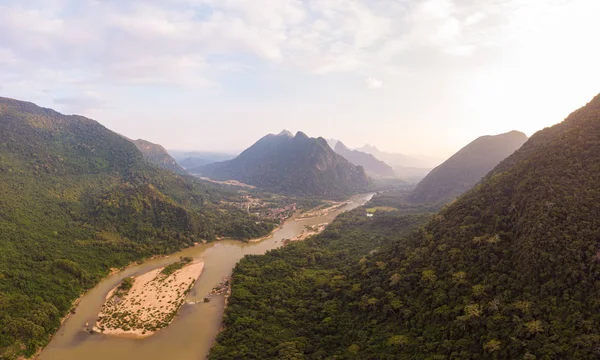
270 210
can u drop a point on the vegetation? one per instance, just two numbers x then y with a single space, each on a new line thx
508 271
466 168
126 284
77 200
157 155
169 269
296 165
398 199
282 303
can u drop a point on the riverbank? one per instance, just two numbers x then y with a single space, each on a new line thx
270 235
193 330
140 306
320 211
309 231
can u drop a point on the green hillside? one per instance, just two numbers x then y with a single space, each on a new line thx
508 271
158 156
76 200
283 303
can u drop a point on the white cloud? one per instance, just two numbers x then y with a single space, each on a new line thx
373 83
317 36
176 42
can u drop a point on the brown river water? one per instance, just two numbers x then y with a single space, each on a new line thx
192 332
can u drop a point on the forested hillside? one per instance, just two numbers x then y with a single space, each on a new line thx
508 271
466 168
283 303
158 156
290 164
76 200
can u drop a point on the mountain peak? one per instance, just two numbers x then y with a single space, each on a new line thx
301 135
341 147
513 134
286 133
299 165
369 148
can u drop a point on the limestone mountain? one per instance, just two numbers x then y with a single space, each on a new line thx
291 164
465 168
157 155
508 271
76 200
370 163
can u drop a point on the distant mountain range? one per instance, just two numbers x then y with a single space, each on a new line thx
157 155
401 160
408 167
370 163
465 168
191 159
291 164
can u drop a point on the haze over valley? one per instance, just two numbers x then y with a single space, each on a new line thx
299 179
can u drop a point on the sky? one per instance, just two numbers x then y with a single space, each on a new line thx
409 76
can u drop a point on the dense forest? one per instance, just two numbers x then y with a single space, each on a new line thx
508 271
283 303
158 155
76 200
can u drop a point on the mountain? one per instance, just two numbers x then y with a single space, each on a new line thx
411 174
412 168
332 143
158 156
369 162
76 200
465 168
291 164
191 159
400 160
508 271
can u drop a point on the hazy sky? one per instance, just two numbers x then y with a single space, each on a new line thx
412 76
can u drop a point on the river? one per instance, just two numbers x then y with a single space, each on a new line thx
192 332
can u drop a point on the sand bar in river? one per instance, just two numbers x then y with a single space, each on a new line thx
149 304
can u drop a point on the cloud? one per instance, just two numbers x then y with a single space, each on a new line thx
182 42
315 35
373 83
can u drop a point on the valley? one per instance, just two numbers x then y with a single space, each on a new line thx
509 270
203 266
193 330
299 180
